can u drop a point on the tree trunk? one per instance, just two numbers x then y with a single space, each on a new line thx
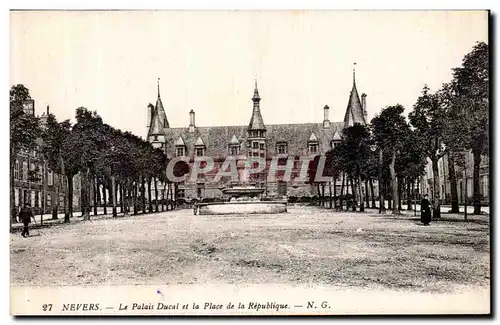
85 195
113 190
436 200
122 197
400 193
323 199
381 208
65 189
163 197
156 194
175 195
143 190
335 192
55 200
330 194
70 198
361 199
96 187
466 190
395 208
408 194
104 198
453 183
475 181
374 206
354 196
367 194
341 203
134 197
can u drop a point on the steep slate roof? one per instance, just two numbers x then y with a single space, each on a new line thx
156 125
354 112
218 138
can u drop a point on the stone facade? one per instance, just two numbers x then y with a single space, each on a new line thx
42 193
251 140
444 180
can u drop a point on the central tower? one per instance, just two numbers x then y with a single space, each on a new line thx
256 145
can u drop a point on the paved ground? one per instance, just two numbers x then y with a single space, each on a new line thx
305 246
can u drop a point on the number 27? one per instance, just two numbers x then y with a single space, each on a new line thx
47 307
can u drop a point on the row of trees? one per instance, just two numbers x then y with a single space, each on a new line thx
120 163
451 122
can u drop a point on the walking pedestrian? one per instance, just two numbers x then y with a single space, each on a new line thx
425 210
25 215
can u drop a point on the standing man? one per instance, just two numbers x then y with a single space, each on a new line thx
25 216
425 210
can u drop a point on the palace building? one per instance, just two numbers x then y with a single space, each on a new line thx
256 138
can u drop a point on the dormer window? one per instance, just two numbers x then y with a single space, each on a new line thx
335 143
313 144
199 147
180 151
180 147
155 138
200 151
313 148
282 148
234 146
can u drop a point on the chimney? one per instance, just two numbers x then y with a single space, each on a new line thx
191 121
363 103
326 121
48 110
150 114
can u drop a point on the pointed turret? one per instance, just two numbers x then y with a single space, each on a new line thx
160 110
354 113
256 122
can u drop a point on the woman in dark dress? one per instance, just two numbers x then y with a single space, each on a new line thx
425 211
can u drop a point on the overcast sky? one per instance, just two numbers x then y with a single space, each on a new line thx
208 60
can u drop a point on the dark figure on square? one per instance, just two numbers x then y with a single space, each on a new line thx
425 210
25 216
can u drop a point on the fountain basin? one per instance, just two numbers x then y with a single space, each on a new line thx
242 207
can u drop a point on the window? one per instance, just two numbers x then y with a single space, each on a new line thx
49 199
335 143
155 137
256 154
180 151
40 174
33 196
16 198
200 151
255 145
313 148
234 150
50 180
181 193
25 170
282 147
261 146
16 170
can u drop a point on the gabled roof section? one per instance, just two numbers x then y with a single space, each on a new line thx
336 136
199 142
313 138
234 140
179 142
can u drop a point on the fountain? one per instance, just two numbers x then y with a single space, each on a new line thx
244 199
